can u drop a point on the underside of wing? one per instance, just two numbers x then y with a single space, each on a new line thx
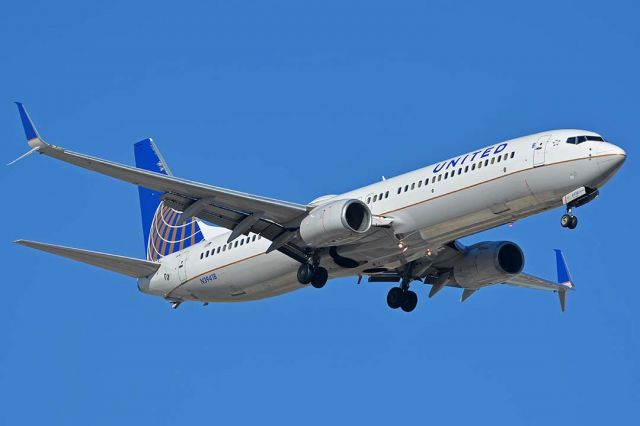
132 267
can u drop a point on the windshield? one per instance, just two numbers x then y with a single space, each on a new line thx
575 140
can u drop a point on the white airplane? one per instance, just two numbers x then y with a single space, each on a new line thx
399 230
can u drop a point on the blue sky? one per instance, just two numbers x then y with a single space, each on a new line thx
294 100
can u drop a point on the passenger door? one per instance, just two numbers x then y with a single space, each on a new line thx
539 150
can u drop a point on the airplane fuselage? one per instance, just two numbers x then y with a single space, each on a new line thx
430 207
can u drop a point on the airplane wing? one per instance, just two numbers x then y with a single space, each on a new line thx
564 281
437 273
121 264
241 212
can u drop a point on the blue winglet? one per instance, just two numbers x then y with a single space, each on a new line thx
563 272
29 129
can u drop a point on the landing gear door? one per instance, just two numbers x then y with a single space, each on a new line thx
539 150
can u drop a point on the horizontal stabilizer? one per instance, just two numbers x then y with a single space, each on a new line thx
121 264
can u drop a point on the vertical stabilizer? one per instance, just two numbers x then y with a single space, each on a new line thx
164 232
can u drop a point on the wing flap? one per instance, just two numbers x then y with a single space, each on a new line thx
121 264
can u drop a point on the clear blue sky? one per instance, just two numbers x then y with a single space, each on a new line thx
294 100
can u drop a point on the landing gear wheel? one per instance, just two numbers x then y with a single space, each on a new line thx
573 223
410 301
568 221
305 273
395 297
320 277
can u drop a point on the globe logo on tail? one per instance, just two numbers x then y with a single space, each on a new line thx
168 235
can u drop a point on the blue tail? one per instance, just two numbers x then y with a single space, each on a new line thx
163 232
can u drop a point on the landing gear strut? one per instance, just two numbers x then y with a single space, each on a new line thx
402 297
568 220
316 275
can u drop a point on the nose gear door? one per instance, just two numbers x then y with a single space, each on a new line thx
539 150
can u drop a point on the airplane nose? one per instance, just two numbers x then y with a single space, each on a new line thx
610 157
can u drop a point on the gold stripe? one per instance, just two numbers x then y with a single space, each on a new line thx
490 180
172 244
165 233
183 231
158 226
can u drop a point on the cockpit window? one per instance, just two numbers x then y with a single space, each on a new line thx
575 140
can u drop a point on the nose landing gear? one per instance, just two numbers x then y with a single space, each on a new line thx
568 220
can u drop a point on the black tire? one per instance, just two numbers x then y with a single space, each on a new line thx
573 223
395 297
305 273
410 301
320 277
565 220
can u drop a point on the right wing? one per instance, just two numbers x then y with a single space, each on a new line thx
136 268
273 219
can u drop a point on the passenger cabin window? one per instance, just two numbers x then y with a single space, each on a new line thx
513 154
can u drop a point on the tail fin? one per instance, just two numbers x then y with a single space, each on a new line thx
164 232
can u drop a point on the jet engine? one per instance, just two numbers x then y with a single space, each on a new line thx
336 223
489 262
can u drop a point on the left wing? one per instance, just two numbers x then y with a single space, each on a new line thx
243 213
564 281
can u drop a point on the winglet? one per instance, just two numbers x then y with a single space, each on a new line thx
564 279
33 138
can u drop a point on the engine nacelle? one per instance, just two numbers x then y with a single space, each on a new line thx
336 223
489 262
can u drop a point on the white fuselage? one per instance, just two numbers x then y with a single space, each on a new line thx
427 208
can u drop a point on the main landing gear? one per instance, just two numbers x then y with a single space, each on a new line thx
568 220
316 275
402 297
